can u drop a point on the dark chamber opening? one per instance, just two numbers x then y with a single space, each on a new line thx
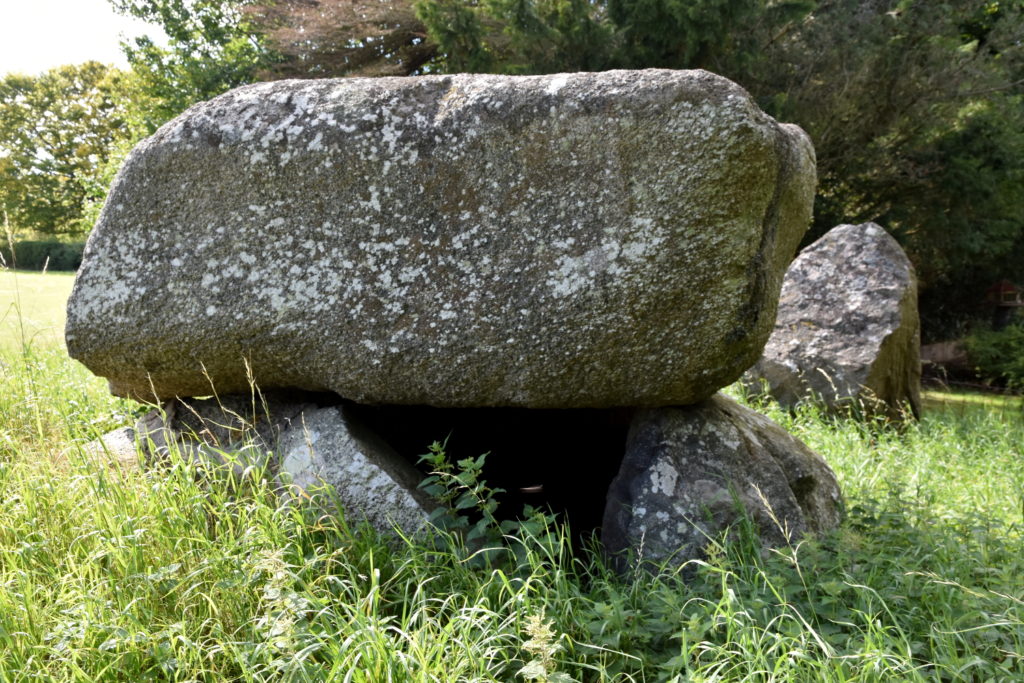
560 459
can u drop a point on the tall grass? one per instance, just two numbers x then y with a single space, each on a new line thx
110 573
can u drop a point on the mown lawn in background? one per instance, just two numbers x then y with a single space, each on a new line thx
964 403
110 573
32 307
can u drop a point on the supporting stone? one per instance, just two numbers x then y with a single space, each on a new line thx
691 473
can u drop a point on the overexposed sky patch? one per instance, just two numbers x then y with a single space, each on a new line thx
36 35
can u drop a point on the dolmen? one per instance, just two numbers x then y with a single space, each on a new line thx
848 336
575 242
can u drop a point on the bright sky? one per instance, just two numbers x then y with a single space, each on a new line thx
36 35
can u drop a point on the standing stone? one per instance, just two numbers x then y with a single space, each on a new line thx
572 240
847 332
236 431
324 454
118 448
692 472
329 447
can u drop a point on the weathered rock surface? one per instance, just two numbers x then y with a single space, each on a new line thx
238 431
309 452
329 446
691 472
574 240
117 448
847 331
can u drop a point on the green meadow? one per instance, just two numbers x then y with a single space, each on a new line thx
32 307
118 572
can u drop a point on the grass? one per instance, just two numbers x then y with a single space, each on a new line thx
32 307
114 574
965 402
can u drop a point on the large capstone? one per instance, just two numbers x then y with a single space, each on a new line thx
848 332
573 240
692 474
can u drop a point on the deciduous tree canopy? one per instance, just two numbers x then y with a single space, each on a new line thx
56 132
211 48
317 39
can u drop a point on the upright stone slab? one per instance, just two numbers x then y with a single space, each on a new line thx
691 473
331 448
848 332
236 431
326 454
574 240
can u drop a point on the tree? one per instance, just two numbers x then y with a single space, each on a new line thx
711 34
519 36
915 111
318 38
403 37
212 48
56 131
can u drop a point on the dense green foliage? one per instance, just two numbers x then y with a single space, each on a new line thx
517 36
57 131
998 356
918 122
317 39
42 255
109 571
210 49
64 133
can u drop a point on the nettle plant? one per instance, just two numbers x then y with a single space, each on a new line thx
468 510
